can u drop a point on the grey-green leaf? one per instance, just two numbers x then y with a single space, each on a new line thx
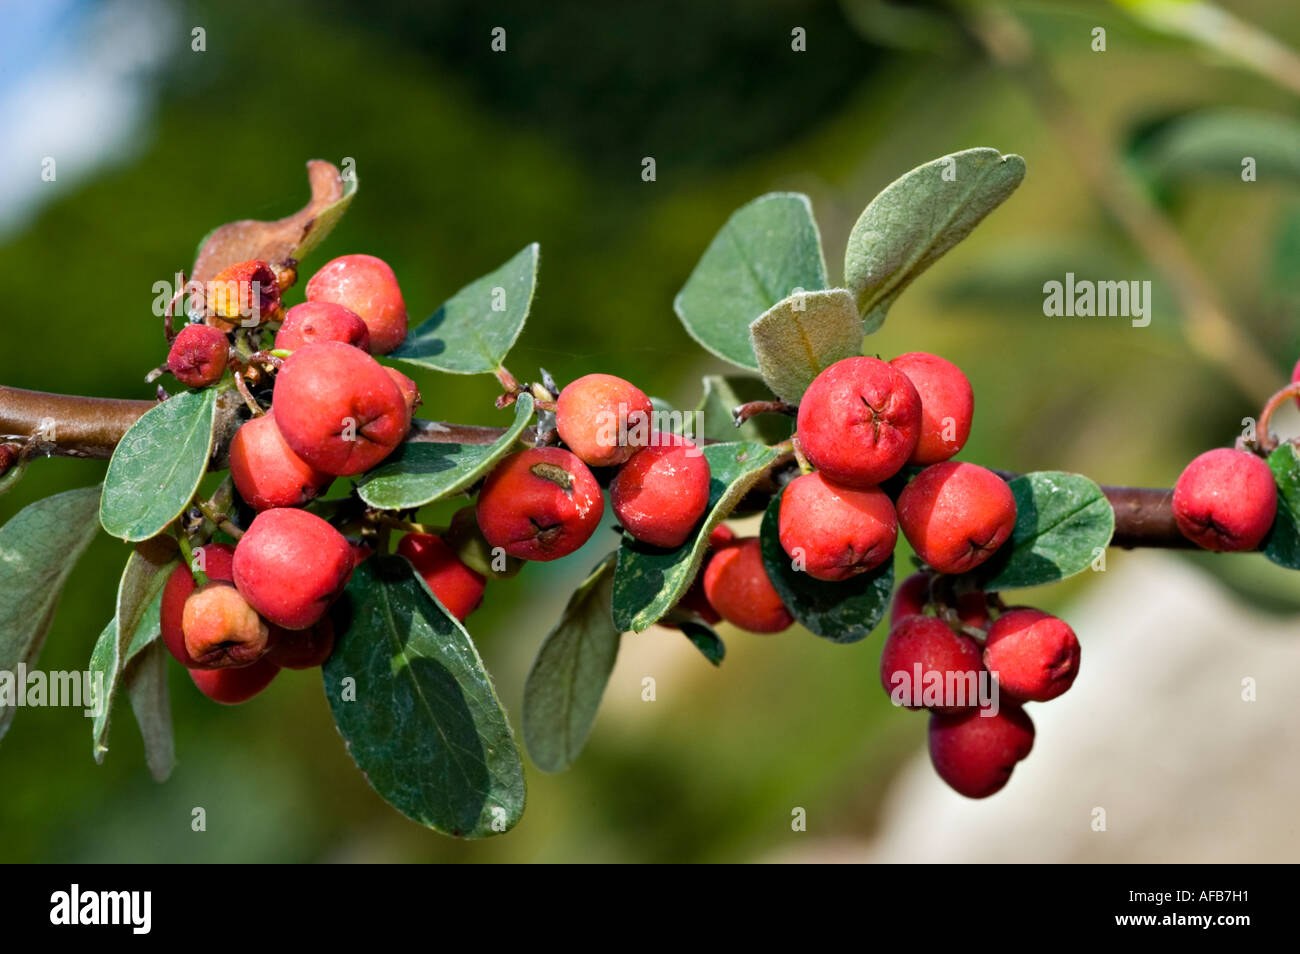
39 546
1282 545
767 250
420 473
842 612
1214 142
919 217
799 336
1063 522
649 581
134 626
722 395
157 466
568 677
418 710
146 685
475 329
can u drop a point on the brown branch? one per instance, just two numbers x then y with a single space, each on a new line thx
91 428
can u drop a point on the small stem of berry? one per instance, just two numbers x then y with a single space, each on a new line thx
744 412
247 395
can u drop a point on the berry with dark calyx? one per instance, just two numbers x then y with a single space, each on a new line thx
910 599
198 356
859 421
836 532
233 686
216 562
302 648
365 285
243 295
1034 655
266 471
956 515
947 405
338 409
603 419
739 590
662 492
221 629
540 504
1226 500
926 665
457 587
314 321
290 565
976 751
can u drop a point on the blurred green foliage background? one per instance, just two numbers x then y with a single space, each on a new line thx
464 156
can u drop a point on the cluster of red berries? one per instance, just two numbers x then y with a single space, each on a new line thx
335 411
862 421
974 673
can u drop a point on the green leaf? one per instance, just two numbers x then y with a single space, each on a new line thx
419 473
568 677
132 629
1213 142
722 395
649 581
1062 522
705 640
802 335
475 329
842 612
1282 545
39 546
157 466
919 217
146 685
417 709
767 250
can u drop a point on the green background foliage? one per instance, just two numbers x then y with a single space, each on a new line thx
465 156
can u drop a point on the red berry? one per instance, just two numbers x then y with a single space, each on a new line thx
198 356
911 598
221 629
1034 655
216 561
740 591
660 495
233 686
859 421
290 565
926 665
956 515
540 504
836 532
1226 500
456 586
366 285
338 409
302 648
976 751
947 405
266 471
314 321
603 419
